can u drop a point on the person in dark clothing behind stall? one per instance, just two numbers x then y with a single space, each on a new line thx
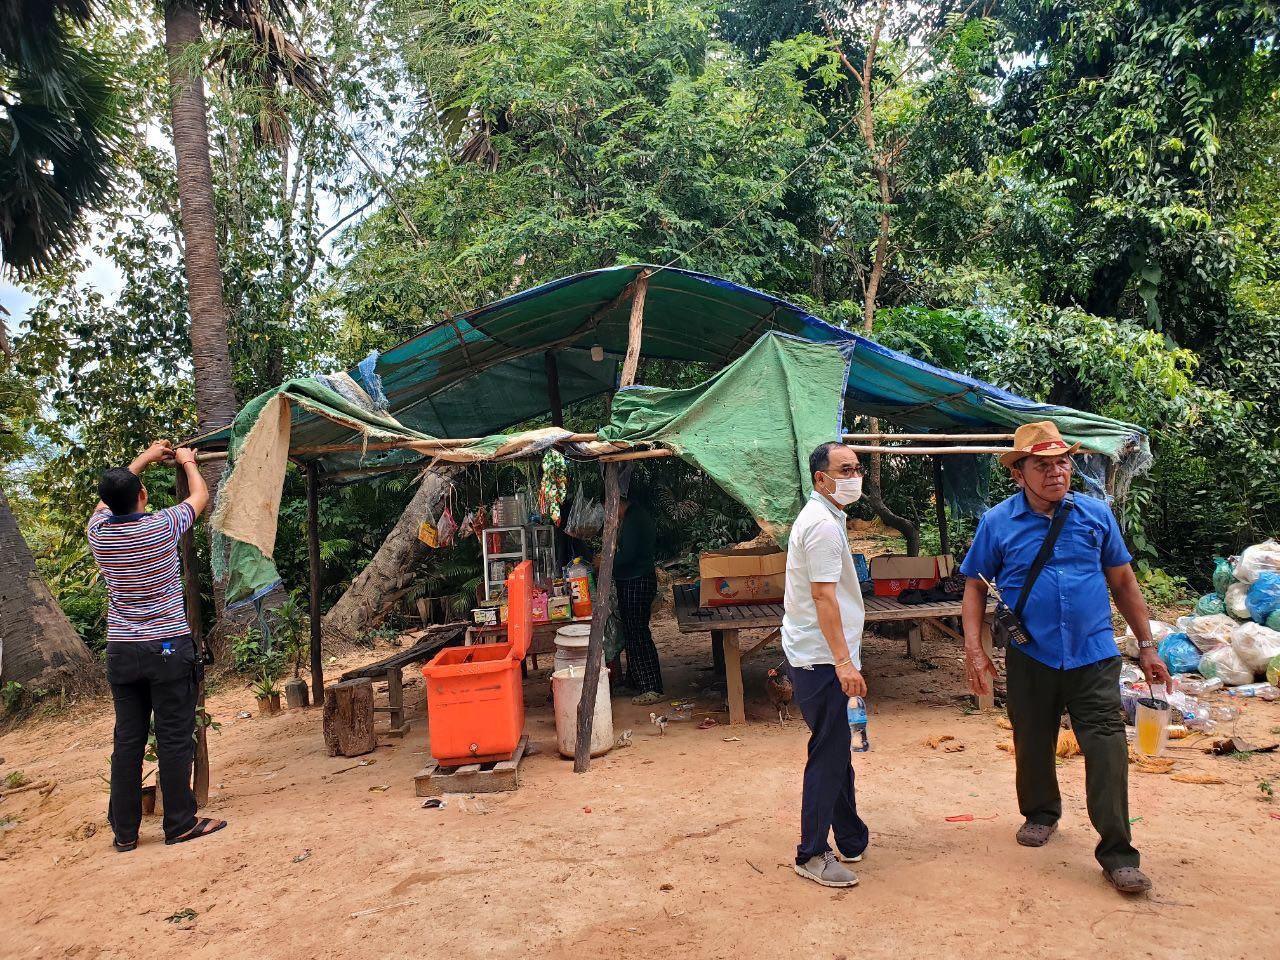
151 660
635 578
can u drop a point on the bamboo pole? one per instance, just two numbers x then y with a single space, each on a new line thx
195 621
314 563
635 455
924 451
553 388
940 505
609 546
940 437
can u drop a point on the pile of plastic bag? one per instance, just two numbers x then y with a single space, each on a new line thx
1233 634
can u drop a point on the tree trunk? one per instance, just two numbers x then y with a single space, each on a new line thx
347 721
364 603
210 355
38 645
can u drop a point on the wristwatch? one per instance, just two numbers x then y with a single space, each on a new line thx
1147 645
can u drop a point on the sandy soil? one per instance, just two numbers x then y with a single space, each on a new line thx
679 846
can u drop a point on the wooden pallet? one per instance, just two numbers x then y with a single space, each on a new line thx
495 777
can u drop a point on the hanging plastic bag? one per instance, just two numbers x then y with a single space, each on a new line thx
481 522
1208 605
467 528
1179 654
448 528
1255 645
1129 643
1236 600
1224 663
1223 575
428 532
1263 598
1256 559
1209 632
586 517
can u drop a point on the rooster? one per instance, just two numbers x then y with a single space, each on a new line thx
778 686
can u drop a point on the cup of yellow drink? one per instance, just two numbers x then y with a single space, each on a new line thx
1152 723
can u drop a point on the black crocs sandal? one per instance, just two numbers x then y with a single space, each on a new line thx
124 847
204 826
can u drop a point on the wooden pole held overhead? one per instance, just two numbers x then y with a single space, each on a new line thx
609 547
195 621
316 569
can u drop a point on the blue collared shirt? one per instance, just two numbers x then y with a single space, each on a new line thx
1068 614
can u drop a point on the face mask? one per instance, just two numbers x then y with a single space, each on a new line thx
848 489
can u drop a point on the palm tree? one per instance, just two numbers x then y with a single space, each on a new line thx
265 62
60 129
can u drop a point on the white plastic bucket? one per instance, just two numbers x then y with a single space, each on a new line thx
566 694
571 647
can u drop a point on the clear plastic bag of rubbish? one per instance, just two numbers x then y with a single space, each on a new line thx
1255 645
1196 687
1263 598
1208 605
1273 671
1179 654
1224 573
1273 621
1256 559
1224 663
586 517
1129 643
1209 632
1236 600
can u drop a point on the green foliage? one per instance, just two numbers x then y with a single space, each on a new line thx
14 779
14 696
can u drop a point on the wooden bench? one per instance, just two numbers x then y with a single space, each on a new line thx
725 625
434 638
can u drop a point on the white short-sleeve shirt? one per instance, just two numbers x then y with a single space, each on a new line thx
818 552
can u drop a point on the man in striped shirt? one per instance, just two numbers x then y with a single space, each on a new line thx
151 660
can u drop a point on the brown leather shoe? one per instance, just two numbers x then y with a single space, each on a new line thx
1035 834
1128 880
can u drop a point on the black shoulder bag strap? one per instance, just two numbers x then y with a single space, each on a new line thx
1046 551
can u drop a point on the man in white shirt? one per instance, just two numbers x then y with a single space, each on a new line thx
822 640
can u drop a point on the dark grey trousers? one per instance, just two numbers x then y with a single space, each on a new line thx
1037 695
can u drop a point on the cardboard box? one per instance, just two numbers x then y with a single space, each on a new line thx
891 574
750 575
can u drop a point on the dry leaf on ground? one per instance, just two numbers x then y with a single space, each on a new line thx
1004 723
1005 745
1205 778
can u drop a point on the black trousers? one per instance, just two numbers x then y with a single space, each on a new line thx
829 804
148 681
1037 695
635 607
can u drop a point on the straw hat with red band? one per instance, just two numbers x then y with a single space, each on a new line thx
1040 439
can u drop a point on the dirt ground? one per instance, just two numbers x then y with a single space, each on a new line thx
679 846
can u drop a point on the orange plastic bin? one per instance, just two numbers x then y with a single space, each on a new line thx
475 700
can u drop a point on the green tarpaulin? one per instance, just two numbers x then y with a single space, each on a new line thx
751 426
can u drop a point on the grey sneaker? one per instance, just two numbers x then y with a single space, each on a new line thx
827 871
843 859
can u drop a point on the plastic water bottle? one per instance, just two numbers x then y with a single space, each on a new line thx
858 725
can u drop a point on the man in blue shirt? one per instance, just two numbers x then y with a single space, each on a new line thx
1070 660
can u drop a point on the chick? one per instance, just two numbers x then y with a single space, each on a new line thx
659 722
780 691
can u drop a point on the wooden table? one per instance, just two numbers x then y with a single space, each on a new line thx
542 641
727 623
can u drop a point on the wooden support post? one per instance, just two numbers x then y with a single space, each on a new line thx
733 676
553 389
195 620
609 546
940 504
316 569
915 640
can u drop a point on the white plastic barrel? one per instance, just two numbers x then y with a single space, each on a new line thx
571 646
566 694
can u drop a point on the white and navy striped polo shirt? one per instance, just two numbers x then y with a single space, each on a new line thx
138 556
